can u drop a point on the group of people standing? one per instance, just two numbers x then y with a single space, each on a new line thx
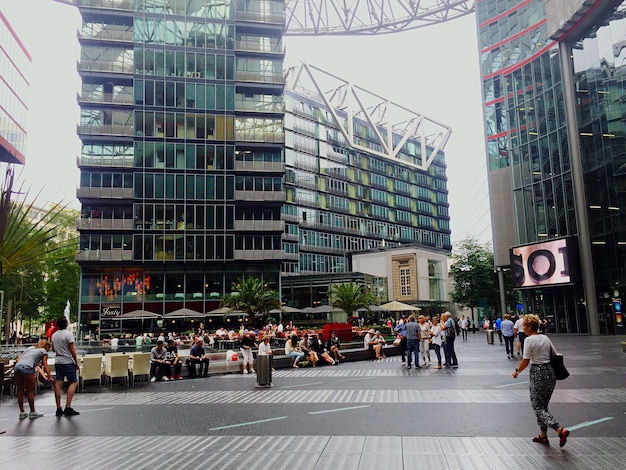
61 341
418 338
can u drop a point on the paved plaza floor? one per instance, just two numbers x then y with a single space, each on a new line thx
360 415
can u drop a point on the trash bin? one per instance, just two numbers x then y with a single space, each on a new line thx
264 370
489 336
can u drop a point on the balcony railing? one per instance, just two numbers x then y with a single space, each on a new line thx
259 255
261 17
104 224
105 4
105 129
111 33
256 46
243 195
107 98
259 77
259 107
260 225
272 167
104 255
98 193
104 66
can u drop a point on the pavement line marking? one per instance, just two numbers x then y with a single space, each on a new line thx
304 385
337 409
358 378
589 423
249 423
511 385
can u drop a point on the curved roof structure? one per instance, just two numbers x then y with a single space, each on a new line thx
358 17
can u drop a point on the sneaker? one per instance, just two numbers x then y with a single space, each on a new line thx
153 379
59 412
165 378
34 414
171 377
252 371
179 377
23 415
69 411
246 371
437 367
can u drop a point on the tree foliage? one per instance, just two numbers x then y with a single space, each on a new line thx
474 279
251 295
32 242
350 296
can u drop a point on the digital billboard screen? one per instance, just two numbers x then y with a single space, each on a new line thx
545 263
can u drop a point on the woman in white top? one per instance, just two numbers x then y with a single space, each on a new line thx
292 350
437 339
537 349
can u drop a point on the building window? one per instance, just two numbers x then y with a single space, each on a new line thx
435 281
405 281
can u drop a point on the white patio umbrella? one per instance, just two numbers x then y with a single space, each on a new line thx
395 306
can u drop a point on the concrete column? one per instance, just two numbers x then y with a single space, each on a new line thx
580 201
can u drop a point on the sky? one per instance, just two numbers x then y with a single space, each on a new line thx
433 71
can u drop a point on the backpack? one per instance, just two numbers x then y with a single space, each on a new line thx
450 330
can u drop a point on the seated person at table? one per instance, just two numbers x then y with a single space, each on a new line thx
221 333
292 350
173 364
317 345
197 355
333 345
157 362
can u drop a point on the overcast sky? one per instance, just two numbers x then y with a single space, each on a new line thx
433 71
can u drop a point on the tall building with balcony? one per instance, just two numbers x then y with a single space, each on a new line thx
362 173
15 64
553 104
182 153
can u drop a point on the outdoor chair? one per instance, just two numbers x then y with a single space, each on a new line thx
116 366
91 369
140 367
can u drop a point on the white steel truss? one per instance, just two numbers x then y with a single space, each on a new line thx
346 102
352 17
359 17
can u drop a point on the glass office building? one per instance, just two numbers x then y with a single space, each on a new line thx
553 106
182 153
197 168
14 68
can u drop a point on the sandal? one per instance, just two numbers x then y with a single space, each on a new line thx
563 437
542 440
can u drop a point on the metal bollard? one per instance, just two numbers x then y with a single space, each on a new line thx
489 336
264 370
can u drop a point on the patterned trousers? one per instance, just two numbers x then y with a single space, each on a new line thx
542 382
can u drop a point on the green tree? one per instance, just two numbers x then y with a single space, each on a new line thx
350 296
62 273
252 296
474 277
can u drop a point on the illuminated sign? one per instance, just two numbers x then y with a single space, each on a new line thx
544 264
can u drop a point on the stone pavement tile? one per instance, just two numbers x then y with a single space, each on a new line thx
339 461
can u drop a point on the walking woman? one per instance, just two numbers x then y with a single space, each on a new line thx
537 350
25 376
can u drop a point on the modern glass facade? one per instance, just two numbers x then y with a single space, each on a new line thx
14 68
182 153
529 145
341 199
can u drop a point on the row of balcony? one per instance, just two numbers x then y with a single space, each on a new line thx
128 224
111 66
128 5
127 255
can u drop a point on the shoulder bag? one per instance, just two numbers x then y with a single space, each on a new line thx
558 365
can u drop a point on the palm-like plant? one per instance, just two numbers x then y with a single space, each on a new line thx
349 296
251 295
24 241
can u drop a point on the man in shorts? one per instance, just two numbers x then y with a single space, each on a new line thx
66 366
